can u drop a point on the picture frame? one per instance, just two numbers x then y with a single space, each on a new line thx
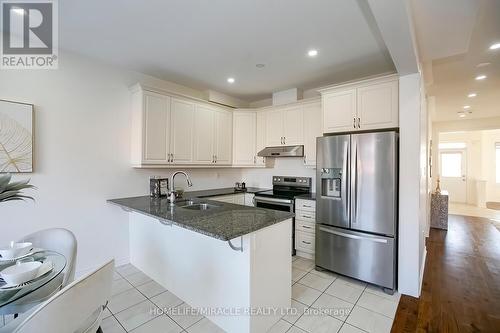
16 137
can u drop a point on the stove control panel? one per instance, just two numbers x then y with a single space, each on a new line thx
292 181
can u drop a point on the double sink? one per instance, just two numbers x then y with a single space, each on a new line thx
192 205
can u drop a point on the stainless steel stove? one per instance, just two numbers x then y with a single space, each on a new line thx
282 196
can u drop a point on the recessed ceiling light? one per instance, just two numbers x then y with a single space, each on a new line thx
462 115
495 46
481 77
312 53
18 11
472 95
260 65
230 80
466 107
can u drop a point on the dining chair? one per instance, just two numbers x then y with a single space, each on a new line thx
78 307
59 240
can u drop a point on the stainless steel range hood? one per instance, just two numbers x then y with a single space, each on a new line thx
282 151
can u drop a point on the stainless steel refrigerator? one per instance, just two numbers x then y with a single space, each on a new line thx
356 206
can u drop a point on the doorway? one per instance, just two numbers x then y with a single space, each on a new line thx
453 172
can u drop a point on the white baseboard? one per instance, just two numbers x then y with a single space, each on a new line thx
304 255
422 269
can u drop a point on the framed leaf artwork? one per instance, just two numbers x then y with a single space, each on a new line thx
16 137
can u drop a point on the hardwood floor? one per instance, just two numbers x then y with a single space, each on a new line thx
461 287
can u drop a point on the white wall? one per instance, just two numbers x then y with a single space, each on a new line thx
413 213
489 164
82 153
285 166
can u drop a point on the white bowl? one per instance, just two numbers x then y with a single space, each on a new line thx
20 273
15 250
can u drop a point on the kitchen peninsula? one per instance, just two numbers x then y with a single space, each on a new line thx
228 259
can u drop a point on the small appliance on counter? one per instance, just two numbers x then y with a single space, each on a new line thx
158 186
242 187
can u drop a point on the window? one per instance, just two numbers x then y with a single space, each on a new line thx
451 164
452 145
497 164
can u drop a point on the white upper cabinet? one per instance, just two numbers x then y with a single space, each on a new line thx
312 129
378 105
204 135
339 111
293 126
274 128
261 137
150 135
284 126
244 138
365 105
181 131
223 137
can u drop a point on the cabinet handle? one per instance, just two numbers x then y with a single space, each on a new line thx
254 159
306 227
281 140
305 159
215 158
354 122
307 217
284 140
308 243
359 122
307 206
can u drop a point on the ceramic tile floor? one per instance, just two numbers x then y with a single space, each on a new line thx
321 302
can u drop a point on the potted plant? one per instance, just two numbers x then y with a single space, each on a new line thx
13 190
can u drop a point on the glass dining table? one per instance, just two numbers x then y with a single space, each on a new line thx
40 287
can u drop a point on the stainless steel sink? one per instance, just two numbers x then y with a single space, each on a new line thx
200 206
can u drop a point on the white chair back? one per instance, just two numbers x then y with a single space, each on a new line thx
76 308
59 240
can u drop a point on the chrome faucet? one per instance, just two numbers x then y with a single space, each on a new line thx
172 193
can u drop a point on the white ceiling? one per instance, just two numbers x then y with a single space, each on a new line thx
454 37
200 43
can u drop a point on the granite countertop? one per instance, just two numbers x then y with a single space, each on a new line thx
225 221
220 191
308 196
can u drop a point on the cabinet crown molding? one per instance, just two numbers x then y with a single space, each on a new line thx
359 83
144 87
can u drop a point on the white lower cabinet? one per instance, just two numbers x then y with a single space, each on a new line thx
237 199
305 228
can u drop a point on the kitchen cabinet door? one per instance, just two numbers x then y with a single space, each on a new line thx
274 128
261 138
312 129
244 138
223 137
156 118
204 135
181 131
377 105
339 111
293 126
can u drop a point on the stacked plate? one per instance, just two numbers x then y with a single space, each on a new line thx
24 271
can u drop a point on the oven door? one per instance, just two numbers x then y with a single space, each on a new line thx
286 205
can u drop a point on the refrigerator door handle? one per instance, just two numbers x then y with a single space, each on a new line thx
355 171
372 239
346 177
